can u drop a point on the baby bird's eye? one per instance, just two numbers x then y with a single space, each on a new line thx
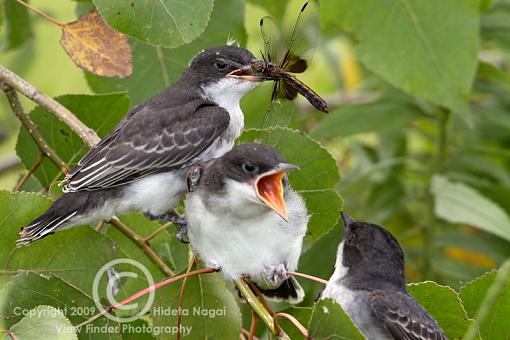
249 167
220 65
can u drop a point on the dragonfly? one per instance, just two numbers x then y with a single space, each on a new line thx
287 53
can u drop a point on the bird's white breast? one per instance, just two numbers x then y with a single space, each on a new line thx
356 304
246 245
156 194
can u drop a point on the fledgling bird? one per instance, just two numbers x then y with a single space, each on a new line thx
245 219
141 165
369 285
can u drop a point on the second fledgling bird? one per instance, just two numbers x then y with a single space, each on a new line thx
369 285
244 219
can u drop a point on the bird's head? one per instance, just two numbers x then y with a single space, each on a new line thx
254 173
369 252
224 70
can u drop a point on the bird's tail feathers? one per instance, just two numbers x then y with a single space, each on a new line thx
290 290
43 226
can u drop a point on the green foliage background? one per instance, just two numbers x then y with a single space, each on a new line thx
419 129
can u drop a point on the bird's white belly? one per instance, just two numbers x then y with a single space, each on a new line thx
156 194
241 249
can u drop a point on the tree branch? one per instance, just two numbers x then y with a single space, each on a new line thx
30 172
32 128
10 82
88 135
140 241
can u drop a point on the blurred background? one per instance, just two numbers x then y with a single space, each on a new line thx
437 179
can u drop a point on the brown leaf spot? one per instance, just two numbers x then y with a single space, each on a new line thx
96 47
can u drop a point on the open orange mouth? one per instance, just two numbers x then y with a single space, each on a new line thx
269 188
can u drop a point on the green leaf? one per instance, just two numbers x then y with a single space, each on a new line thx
18 28
209 310
459 203
302 314
496 25
158 22
44 322
495 325
316 179
380 115
444 304
157 68
27 290
329 321
99 112
427 48
74 255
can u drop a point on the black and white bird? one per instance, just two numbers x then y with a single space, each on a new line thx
369 285
245 220
141 165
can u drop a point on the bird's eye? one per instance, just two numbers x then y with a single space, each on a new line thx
249 167
220 65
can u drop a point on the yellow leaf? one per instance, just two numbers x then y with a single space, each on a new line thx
470 257
96 47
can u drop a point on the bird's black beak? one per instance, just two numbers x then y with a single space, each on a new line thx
247 73
348 220
269 188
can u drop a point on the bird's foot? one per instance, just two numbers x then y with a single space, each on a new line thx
179 222
275 275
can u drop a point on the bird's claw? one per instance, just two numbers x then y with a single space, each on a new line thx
182 233
276 274
179 222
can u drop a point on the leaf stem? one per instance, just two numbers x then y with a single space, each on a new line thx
144 292
34 167
256 305
429 229
296 323
489 300
309 277
44 15
140 241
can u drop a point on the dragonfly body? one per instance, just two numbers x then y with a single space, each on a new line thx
270 71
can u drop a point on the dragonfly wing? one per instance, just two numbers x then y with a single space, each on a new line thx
301 42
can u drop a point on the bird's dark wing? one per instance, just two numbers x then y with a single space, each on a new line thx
149 141
403 316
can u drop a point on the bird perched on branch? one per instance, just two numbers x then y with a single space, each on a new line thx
141 165
369 285
245 219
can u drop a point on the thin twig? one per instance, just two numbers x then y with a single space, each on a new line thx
144 292
88 135
44 15
309 277
256 305
31 127
253 326
139 240
34 167
156 232
181 299
296 323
